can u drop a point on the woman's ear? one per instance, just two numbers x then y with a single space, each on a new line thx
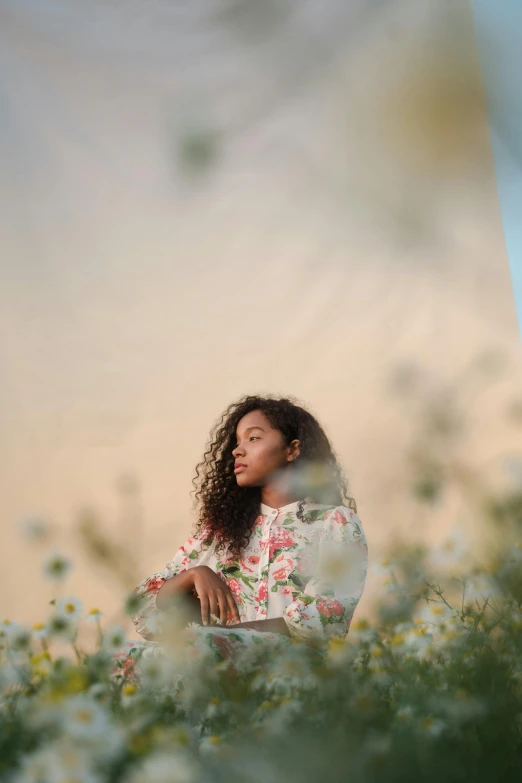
294 450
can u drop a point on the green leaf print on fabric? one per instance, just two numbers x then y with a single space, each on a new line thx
282 551
316 513
235 572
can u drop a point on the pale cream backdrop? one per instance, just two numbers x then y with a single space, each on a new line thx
204 200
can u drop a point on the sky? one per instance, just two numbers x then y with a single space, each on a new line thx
499 30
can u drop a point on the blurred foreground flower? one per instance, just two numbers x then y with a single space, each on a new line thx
56 566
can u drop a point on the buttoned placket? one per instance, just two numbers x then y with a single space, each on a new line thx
270 518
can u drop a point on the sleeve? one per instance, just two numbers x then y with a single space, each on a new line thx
188 556
326 604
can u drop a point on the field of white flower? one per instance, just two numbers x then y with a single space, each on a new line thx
430 692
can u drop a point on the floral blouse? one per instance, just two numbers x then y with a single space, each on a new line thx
310 572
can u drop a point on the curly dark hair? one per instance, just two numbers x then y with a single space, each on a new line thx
227 512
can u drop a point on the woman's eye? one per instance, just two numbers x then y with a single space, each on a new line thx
254 437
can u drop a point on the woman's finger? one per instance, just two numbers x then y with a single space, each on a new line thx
213 604
223 607
203 600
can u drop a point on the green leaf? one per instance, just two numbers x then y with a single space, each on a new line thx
231 570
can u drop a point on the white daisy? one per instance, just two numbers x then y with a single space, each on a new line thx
70 607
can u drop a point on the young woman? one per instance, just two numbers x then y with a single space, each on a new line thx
277 537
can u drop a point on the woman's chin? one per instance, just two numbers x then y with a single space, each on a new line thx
244 481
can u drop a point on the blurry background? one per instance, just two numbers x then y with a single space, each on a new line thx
202 200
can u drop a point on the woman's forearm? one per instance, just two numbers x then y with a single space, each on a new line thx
181 583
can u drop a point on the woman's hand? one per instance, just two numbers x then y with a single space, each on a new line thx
214 596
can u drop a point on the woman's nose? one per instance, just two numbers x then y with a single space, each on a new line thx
237 451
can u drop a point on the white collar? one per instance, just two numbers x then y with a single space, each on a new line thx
290 508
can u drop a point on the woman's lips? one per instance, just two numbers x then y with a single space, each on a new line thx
239 468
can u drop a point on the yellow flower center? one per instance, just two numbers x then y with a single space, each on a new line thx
84 716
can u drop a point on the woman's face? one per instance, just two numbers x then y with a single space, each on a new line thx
260 451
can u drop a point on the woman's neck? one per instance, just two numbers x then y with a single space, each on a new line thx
275 498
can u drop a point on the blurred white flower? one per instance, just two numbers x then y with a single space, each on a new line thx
377 744
19 637
308 478
451 552
100 691
94 615
361 631
339 650
463 707
39 631
61 627
58 763
382 566
114 638
7 629
11 675
434 613
84 718
70 607
165 767
42 765
417 639
404 714
56 566
512 465
34 528
155 671
343 569
289 671
478 587
431 726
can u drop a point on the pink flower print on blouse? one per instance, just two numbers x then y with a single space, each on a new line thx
262 592
153 584
236 587
280 539
331 608
283 567
250 564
